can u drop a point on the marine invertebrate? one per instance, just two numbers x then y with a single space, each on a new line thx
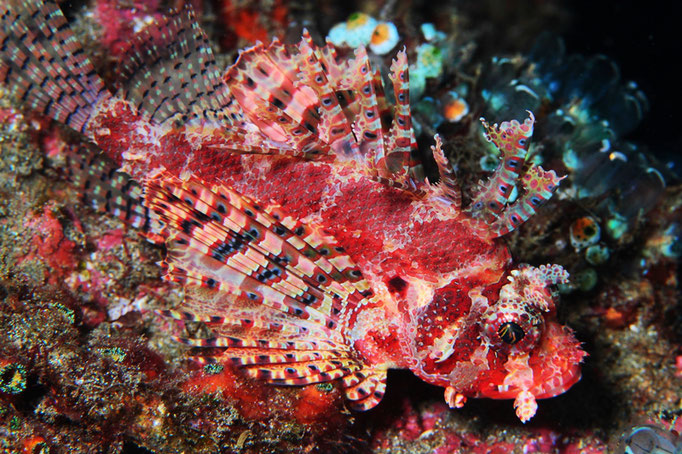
429 64
364 268
356 31
584 232
455 107
597 254
13 377
363 30
384 38
648 438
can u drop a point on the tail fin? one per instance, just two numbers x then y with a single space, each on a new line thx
44 66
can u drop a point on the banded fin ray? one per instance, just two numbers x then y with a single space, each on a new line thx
512 139
261 324
291 363
365 388
238 315
401 139
367 122
334 127
308 101
284 245
240 312
44 65
105 188
273 98
169 73
250 341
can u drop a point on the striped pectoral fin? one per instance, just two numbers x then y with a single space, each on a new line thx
319 360
221 239
365 388
249 320
305 372
282 291
247 340
279 362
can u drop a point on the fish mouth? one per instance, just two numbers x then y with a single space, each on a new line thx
557 385
556 366
567 379
551 369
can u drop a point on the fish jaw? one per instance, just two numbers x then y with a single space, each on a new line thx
548 371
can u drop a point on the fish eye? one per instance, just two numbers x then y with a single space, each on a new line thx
512 325
510 333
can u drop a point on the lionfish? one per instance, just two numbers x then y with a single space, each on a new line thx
297 219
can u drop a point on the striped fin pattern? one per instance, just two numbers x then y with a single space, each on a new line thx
104 188
491 214
266 241
276 293
448 181
401 140
44 65
365 388
512 139
334 127
304 99
171 76
367 123
275 100
538 185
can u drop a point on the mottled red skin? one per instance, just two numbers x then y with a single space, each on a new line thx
419 262
301 187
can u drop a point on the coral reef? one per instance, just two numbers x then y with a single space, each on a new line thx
86 360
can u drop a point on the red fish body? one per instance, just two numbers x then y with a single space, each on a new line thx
298 223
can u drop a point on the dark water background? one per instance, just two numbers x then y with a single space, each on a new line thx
645 39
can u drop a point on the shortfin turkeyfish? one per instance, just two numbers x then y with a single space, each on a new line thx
296 216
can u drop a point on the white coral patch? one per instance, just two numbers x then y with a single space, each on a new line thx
356 31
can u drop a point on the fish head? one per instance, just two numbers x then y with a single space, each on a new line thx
504 343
